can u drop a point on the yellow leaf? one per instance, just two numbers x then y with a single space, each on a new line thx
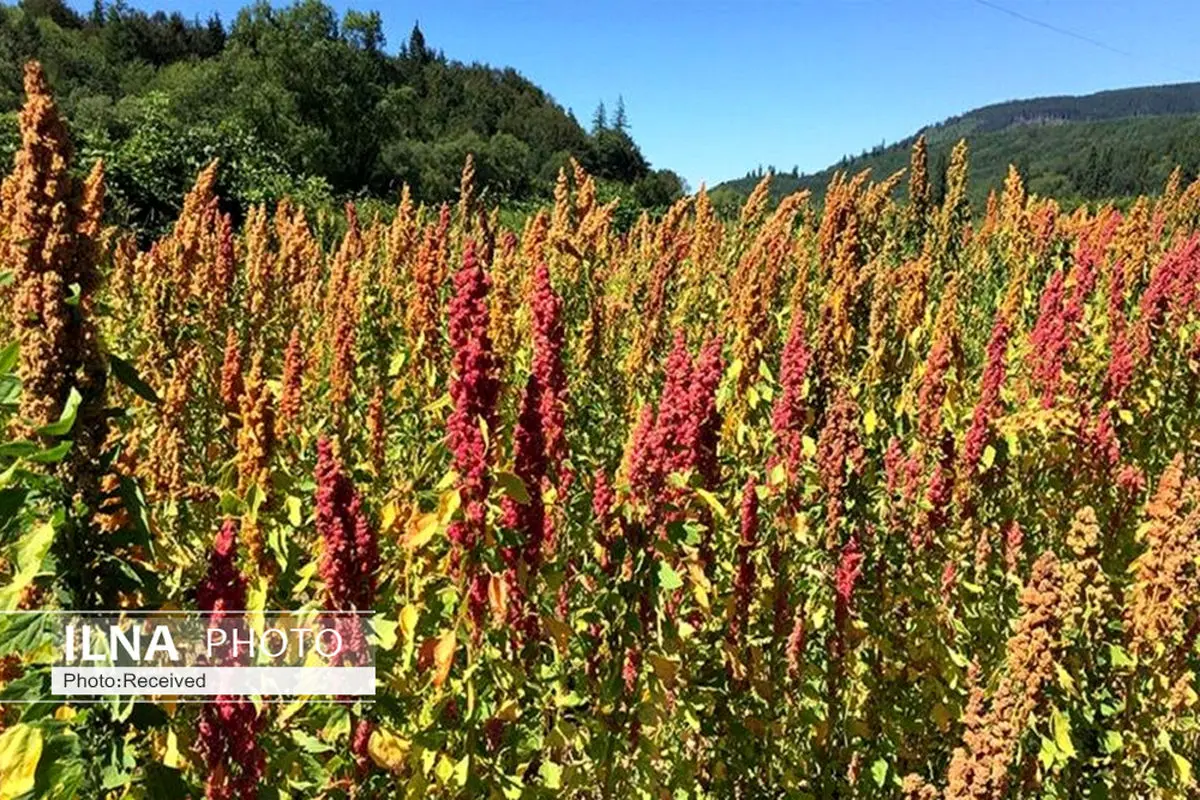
290 710
20 750
443 657
1183 769
387 750
808 446
388 517
713 503
870 422
408 620
448 480
448 503
777 475
421 530
32 550
498 597
171 756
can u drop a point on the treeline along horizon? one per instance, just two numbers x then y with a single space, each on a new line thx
299 101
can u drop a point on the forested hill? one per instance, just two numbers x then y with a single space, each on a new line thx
298 101
1112 144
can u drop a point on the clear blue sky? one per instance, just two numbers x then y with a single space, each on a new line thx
713 89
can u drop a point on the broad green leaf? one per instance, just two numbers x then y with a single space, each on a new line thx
1048 753
879 771
135 505
551 775
127 374
66 420
1119 657
52 455
1062 733
988 458
24 633
668 578
9 356
21 448
385 632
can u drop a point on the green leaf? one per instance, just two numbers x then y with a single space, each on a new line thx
52 455
551 775
668 578
385 632
808 446
165 782
513 487
1113 742
25 632
989 457
10 389
135 505
11 502
1048 753
18 449
66 420
879 771
127 374
9 356
1119 657
61 772
309 743
1062 733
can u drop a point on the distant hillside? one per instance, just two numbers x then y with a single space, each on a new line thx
1107 145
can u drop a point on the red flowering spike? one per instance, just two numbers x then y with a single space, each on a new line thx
789 411
474 390
547 367
228 732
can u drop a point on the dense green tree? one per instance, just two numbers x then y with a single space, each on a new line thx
294 99
658 189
